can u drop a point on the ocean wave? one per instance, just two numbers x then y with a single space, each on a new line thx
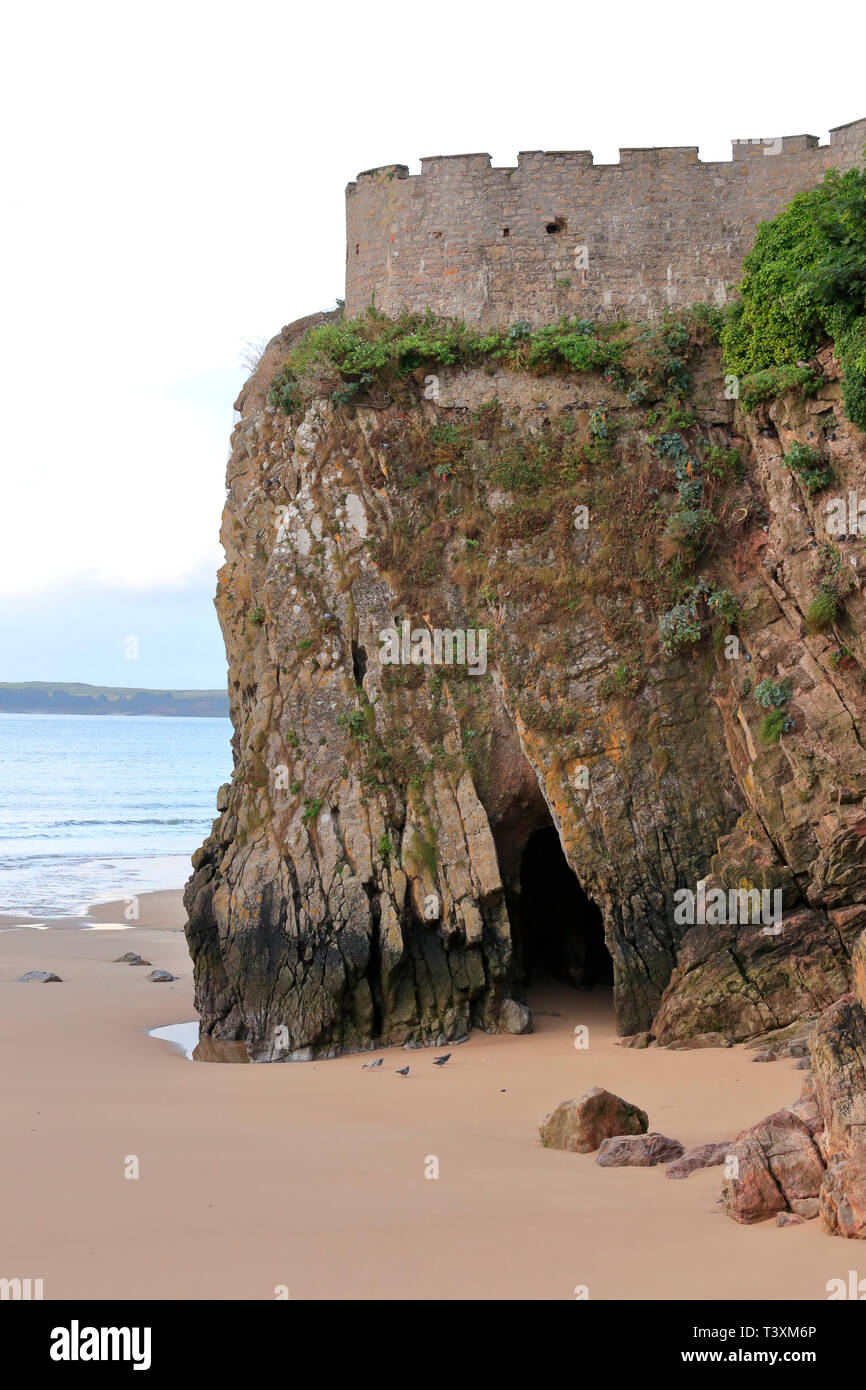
51 830
112 821
65 885
97 809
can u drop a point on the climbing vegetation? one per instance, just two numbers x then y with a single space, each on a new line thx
804 283
372 353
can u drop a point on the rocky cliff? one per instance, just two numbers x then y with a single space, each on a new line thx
663 670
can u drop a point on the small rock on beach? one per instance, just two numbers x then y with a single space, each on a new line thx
638 1151
704 1156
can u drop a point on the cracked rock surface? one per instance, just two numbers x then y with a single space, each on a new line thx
360 886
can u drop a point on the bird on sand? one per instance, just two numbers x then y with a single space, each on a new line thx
440 1061
402 1071
369 1066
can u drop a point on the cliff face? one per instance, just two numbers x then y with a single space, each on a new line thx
365 881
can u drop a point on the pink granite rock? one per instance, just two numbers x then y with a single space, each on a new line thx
704 1156
638 1151
580 1125
775 1166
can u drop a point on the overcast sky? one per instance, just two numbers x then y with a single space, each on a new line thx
174 175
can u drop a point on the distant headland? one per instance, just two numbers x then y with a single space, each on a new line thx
71 697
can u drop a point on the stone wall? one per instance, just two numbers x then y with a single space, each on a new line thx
562 235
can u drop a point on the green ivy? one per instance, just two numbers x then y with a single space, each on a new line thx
809 466
804 281
311 810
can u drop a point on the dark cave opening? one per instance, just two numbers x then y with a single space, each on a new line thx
359 663
557 930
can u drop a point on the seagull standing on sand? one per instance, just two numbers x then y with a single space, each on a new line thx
370 1066
440 1061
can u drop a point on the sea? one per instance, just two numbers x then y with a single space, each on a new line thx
101 807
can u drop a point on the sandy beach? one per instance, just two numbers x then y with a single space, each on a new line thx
312 1175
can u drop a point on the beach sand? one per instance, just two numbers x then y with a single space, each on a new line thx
312 1175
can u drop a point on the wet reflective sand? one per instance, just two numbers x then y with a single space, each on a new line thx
184 1037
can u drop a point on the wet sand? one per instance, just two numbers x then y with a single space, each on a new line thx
312 1175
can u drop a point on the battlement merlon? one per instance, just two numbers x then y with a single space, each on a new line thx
782 144
559 234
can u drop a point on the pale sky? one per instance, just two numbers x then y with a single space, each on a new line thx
174 177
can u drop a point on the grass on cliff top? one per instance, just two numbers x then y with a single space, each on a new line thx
804 283
347 359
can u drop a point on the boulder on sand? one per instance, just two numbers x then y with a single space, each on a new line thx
704 1156
775 1166
699 1040
638 1151
42 977
160 977
515 1017
582 1124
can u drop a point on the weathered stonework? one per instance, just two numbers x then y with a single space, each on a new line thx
660 229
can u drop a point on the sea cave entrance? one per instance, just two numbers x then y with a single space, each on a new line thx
558 932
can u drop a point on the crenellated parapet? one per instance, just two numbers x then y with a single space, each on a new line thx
560 234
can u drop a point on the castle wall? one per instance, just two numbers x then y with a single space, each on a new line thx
659 229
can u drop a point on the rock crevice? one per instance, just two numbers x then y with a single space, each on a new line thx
359 886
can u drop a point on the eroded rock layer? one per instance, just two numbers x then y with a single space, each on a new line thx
362 883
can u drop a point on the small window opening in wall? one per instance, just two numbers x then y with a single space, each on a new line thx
558 224
506 231
357 247
436 235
